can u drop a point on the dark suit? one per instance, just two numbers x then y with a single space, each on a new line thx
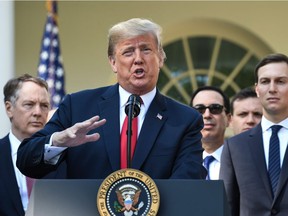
244 171
168 146
10 200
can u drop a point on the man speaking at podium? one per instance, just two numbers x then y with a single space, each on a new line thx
169 137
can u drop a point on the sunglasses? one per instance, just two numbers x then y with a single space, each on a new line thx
213 108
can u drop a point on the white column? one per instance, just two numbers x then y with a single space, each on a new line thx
6 56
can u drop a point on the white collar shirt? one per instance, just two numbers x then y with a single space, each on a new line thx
282 134
52 153
214 168
147 99
21 179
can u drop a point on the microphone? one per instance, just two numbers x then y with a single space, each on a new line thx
132 110
133 103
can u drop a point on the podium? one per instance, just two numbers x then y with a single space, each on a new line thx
78 197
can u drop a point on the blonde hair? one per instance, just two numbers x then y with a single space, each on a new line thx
132 28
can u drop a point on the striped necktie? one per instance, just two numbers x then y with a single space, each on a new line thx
274 158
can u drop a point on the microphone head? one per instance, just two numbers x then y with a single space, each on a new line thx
134 101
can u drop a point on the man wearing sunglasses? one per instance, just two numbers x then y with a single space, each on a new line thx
214 106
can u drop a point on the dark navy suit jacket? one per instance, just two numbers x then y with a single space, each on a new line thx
10 200
244 171
168 146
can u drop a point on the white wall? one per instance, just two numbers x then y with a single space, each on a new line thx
6 56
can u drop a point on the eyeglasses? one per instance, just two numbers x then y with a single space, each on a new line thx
213 108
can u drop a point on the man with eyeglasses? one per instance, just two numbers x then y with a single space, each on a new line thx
214 106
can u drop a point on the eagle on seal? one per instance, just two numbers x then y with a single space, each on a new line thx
128 198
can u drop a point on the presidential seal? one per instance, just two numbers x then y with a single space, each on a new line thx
128 192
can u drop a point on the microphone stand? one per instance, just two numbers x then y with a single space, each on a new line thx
132 110
129 134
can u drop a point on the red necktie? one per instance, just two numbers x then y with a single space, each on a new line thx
29 182
124 140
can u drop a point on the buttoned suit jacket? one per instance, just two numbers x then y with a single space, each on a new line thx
168 146
244 171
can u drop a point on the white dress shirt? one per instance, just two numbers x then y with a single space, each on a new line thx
52 153
214 168
282 134
147 99
21 179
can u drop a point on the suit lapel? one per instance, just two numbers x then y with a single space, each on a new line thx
111 130
261 166
154 120
8 175
257 151
283 175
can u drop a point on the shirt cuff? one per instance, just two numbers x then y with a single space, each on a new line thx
52 153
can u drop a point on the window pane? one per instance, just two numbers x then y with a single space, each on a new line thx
176 60
201 49
186 85
246 76
216 82
162 80
229 92
230 55
174 93
202 80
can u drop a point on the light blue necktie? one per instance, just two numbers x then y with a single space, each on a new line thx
207 161
274 158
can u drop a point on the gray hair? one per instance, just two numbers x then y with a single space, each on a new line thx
12 87
132 28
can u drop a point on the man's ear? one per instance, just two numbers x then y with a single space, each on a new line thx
9 107
256 89
113 64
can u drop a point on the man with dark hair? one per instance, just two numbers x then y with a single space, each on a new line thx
254 163
246 110
214 106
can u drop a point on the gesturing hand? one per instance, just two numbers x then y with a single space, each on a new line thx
77 134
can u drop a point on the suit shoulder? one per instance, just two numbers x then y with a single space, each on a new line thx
239 137
180 110
87 92
88 95
4 139
171 103
5 147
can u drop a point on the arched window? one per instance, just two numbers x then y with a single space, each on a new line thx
208 52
